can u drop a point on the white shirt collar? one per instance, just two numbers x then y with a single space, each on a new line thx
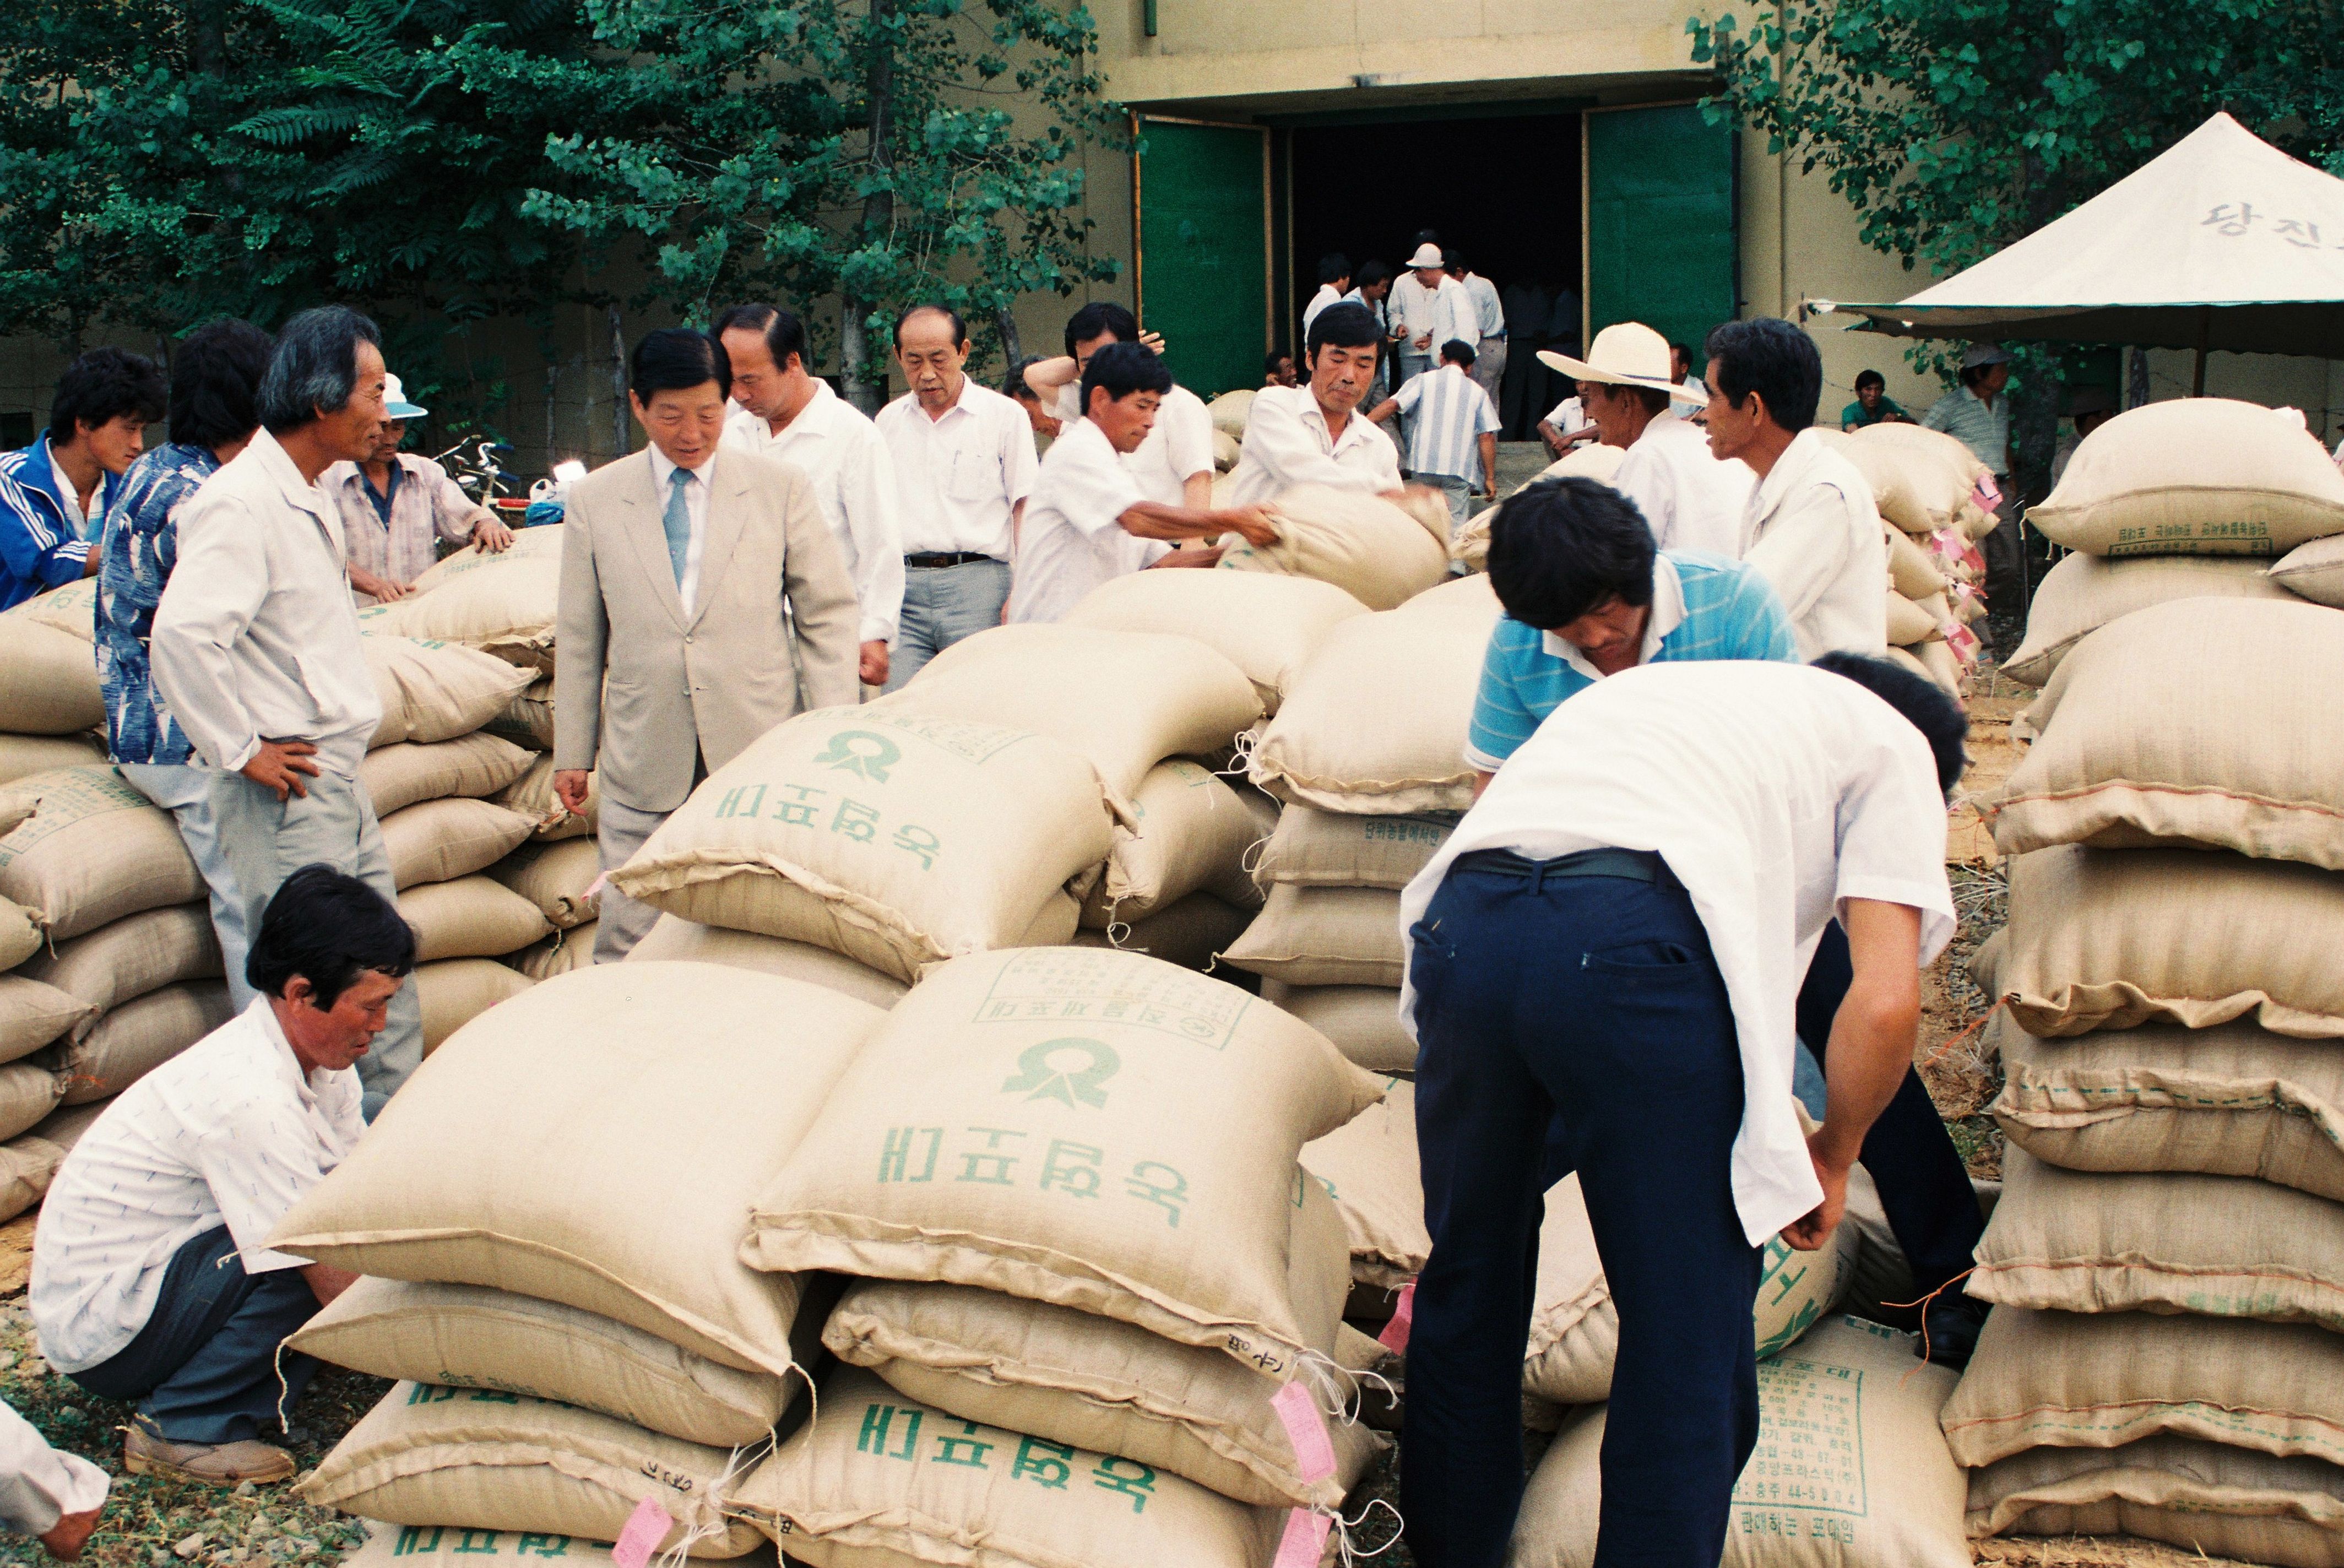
264 1018
1668 615
814 419
271 456
663 469
1787 471
1313 414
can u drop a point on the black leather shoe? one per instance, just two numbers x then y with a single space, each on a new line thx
1949 1328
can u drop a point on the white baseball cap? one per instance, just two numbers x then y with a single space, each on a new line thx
395 405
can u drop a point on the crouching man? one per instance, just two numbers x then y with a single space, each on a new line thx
151 1279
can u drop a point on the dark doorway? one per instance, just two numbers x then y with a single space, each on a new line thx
1505 191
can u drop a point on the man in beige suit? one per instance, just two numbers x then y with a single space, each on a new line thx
673 648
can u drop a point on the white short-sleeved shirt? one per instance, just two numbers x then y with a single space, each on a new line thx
1814 533
845 459
1774 793
1180 444
958 478
1286 444
1072 538
1569 415
1691 501
229 1132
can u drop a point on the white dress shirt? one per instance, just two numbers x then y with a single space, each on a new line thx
39 1484
1320 302
1446 311
959 478
1774 793
1072 538
1179 446
695 512
256 637
1691 501
1286 444
1812 530
845 457
229 1132
1490 314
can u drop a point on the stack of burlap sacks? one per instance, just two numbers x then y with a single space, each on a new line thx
2165 1357
1229 412
1046 1215
1934 509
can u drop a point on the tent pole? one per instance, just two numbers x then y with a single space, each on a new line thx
2205 332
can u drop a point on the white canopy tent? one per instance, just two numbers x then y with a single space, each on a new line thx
2222 241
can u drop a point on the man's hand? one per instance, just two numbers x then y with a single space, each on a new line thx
1152 341
1254 524
493 536
1210 556
281 764
326 1281
1424 341
872 666
65 1538
570 789
382 588
1812 1230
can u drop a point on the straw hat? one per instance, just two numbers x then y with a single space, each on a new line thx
1627 354
1427 256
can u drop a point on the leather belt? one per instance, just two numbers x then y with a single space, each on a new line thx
1634 864
928 560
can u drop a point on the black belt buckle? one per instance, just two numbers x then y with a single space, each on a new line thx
931 559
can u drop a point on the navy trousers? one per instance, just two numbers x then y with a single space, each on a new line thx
205 1368
1590 1008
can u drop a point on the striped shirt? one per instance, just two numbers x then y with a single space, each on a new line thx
1447 416
1964 415
43 539
1704 607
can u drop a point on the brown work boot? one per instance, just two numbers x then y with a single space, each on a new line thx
212 1463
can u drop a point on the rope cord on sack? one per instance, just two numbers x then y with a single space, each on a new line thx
1923 1305
1344 1527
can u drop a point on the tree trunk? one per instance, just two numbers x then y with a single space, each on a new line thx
619 442
207 36
1006 323
878 209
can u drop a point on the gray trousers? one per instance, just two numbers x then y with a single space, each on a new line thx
942 604
1489 370
619 832
266 840
186 793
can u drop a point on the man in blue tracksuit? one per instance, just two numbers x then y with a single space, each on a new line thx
54 493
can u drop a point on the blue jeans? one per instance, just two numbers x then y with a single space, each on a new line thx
942 604
1587 1009
186 794
205 1368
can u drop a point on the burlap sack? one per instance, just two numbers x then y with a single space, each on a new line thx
2169 727
1362 1021
33 1014
2084 593
28 1092
1189 833
1938 663
555 877
2230 1101
506 1462
66 1125
531 794
1913 571
398 776
540 543
1376 722
1336 849
19 939
1575 1327
2195 476
1908 624
1363 544
48 680
1324 937
1230 411
2203 1497
1126 700
1368 1166
1921 480
22 756
1135 1161
1190 933
1064 1376
622 1190
501 604
1266 626
557 953
69 607
455 991
1849 1472
1594 461
671 939
527 720
891 838
91 850
1902 657
2110 939
451 1546
438 840
2223 1246
136 1037
467 1336
131 957
2101 1379
26 1164
469 918
882 1481
2313 571
437 691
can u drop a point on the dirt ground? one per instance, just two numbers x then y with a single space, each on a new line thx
157 1524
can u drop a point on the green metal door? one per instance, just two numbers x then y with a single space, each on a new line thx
1204 253
1660 241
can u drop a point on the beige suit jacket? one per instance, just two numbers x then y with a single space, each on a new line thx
642 690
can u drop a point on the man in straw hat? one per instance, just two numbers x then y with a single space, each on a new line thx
1691 499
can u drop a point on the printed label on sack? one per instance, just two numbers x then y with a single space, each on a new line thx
1306 1432
437 1540
1305 1539
1084 986
1395 1335
1805 1478
647 1526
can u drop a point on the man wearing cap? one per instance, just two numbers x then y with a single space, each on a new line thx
1977 415
1691 498
393 503
1428 308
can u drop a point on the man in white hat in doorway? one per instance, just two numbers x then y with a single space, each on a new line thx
1428 308
1690 499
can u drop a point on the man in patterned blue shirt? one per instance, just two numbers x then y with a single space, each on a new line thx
218 370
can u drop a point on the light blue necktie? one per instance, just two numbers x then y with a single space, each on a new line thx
678 522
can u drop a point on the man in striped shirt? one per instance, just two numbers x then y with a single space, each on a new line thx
1449 417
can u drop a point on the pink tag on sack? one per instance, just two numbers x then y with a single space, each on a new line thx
1305 1430
646 1527
1987 494
1305 1540
1395 1335
595 887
